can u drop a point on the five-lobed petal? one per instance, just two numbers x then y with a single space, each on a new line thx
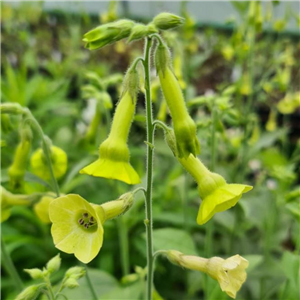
77 227
221 199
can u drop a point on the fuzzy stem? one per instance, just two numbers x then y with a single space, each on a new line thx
150 153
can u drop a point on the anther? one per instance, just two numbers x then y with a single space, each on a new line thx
81 221
86 225
85 215
92 219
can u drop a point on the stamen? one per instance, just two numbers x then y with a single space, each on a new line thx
92 219
86 225
81 221
85 215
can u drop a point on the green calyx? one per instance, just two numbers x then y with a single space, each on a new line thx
162 58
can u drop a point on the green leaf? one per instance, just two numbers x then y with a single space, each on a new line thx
173 239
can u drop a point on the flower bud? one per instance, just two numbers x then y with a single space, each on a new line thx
165 21
30 293
34 273
40 166
138 32
184 126
75 272
71 283
107 34
11 108
118 207
53 264
131 83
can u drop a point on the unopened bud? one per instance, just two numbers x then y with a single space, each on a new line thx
71 283
75 272
11 108
162 58
165 21
131 83
53 264
34 273
30 293
139 31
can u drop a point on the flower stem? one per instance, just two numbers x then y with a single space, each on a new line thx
123 238
210 225
46 148
93 292
9 265
150 152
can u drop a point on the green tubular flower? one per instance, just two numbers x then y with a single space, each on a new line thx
114 152
8 200
40 167
107 34
230 273
77 226
216 194
184 126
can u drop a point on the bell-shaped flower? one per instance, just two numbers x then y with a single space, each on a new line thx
184 126
113 159
216 194
40 167
8 200
77 226
230 273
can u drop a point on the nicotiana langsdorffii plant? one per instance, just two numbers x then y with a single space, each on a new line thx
78 225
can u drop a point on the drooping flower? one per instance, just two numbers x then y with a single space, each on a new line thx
113 159
76 226
230 273
216 194
59 162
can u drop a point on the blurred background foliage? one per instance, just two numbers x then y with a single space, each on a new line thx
247 70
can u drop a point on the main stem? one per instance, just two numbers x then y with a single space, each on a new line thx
150 152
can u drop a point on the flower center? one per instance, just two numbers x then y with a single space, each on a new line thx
86 221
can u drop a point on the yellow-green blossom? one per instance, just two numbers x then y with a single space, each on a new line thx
59 162
77 226
230 273
114 152
216 194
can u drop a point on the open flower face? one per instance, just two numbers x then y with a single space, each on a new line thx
230 273
221 199
77 226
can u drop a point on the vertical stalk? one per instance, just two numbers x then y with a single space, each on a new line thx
210 224
123 239
9 265
88 279
150 152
